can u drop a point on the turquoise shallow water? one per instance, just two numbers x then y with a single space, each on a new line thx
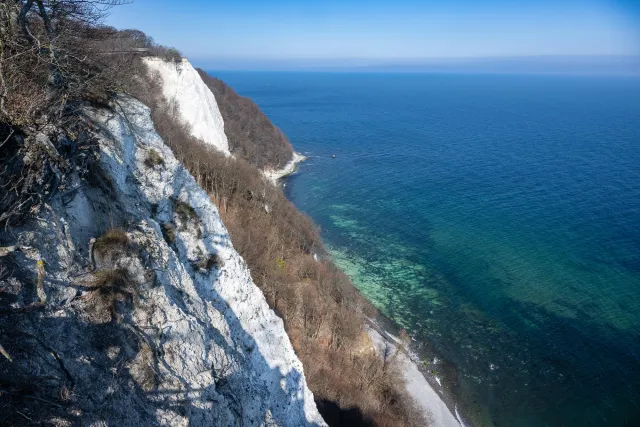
495 217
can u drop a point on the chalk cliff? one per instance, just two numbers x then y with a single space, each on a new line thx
157 322
194 102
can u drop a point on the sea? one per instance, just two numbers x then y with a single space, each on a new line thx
496 218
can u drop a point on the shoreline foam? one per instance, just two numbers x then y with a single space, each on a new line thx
288 169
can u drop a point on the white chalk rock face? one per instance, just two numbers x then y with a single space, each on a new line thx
221 320
192 341
182 85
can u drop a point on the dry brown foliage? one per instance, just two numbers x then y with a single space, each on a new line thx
54 54
251 134
322 310
114 238
108 288
55 58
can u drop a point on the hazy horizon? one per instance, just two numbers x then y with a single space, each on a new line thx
399 35
602 65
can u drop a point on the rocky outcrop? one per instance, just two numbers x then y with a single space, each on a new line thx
157 321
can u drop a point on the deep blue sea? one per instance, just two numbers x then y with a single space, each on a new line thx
497 218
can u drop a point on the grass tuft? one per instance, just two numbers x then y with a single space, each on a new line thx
110 280
114 238
108 288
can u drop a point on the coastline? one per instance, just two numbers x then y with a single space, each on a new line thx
288 169
428 391
420 254
440 409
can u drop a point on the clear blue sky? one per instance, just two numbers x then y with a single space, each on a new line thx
362 31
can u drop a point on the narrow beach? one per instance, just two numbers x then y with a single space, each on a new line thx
428 399
288 169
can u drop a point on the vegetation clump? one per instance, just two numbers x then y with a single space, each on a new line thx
153 159
209 262
107 288
185 213
114 239
110 280
168 232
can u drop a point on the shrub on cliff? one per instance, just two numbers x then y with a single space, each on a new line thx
53 56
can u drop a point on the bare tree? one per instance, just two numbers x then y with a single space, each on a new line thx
52 61
49 55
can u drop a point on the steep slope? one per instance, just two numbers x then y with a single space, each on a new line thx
251 134
160 323
196 105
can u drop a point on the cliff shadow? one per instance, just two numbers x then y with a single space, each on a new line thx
335 416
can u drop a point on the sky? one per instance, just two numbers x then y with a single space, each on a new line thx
363 33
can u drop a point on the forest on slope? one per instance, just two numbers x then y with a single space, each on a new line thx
56 59
251 134
322 310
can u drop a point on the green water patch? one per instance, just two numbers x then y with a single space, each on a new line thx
466 308
388 284
386 274
550 274
518 198
349 225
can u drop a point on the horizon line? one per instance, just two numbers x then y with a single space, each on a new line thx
523 64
